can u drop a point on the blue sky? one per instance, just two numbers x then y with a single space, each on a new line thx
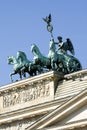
21 25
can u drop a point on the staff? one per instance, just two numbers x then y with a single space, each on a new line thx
48 20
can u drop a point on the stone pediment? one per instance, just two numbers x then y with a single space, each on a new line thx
72 114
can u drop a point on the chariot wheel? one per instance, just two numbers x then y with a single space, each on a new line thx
74 65
62 68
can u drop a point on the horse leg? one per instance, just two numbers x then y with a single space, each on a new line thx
11 78
20 75
24 75
31 70
39 69
23 72
13 73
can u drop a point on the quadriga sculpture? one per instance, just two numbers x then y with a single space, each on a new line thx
56 60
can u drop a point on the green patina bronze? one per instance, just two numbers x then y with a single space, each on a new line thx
21 65
28 66
58 58
16 66
39 58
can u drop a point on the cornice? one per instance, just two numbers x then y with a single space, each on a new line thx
77 74
31 80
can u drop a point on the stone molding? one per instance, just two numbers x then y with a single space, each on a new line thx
36 96
79 125
22 99
61 112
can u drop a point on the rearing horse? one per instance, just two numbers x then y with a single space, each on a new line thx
39 58
16 66
28 66
53 55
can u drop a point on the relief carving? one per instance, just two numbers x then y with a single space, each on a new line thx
25 94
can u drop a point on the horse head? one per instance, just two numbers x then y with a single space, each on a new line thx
52 50
35 50
52 45
22 58
22 55
11 59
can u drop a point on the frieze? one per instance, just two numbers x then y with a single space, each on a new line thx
26 94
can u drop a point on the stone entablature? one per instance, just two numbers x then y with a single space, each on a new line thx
30 92
44 86
37 96
24 96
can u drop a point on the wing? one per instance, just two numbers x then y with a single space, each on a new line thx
70 46
47 19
